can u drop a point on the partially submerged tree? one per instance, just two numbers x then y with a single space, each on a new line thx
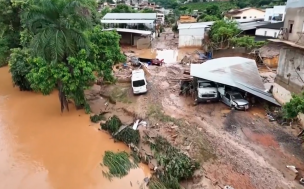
58 33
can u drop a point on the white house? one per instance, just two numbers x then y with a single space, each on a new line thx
275 14
244 14
268 31
192 35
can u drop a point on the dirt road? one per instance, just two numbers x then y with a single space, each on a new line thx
241 149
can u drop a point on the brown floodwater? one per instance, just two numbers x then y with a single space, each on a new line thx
42 148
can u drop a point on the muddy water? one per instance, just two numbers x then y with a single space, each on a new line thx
42 148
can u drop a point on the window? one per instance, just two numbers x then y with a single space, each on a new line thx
270 17
250 16
206 85
275 34
244 17
227 96
236 96
236 17
290 23
139 83
265 33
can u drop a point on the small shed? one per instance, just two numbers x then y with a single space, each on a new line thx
192 35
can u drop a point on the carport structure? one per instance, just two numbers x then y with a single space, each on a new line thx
238 72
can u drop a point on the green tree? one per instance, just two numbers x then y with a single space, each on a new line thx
58 28
105 51
208 18
45 77
10 27
122 8
222 31
246 41
295 106
147 10
19 68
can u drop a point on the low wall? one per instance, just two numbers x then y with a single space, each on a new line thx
242 52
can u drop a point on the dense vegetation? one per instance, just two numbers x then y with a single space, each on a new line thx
295 106
225 34
56 44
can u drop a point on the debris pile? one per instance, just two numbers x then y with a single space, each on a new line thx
169 165
118 163
194 58
177 74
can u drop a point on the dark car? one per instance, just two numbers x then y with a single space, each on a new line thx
235 100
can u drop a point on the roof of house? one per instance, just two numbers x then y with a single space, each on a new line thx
195 25
127 21
129 16
142 32
277 25
236 11
251 25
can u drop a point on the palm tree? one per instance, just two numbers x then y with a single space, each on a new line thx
58 27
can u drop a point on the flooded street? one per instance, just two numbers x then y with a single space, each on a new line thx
42 148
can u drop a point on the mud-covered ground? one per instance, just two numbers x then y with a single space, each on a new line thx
236 148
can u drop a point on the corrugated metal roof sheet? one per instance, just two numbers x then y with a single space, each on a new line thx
127 21
130 16
143 32
195 25
237 72
251 25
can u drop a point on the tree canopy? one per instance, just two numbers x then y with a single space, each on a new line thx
60 48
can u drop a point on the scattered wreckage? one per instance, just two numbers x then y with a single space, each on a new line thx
233 80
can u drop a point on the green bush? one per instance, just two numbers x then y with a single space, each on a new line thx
112 125
19 68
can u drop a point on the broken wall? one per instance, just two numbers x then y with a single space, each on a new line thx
143 43
290 72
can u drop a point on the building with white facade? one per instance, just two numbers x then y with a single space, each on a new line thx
192 35
245 14
268 31
275 14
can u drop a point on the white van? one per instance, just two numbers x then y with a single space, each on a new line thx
139 83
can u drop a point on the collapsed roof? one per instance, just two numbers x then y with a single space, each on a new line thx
237 72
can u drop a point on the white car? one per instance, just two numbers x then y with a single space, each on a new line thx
206 91
139 83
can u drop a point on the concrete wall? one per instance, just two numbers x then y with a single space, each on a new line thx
191 37
143 43
267 32
130 38
290 72
295 16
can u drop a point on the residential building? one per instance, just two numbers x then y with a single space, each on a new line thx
245 14
275 14
290 72
128 25
192 35
160 18
268 31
